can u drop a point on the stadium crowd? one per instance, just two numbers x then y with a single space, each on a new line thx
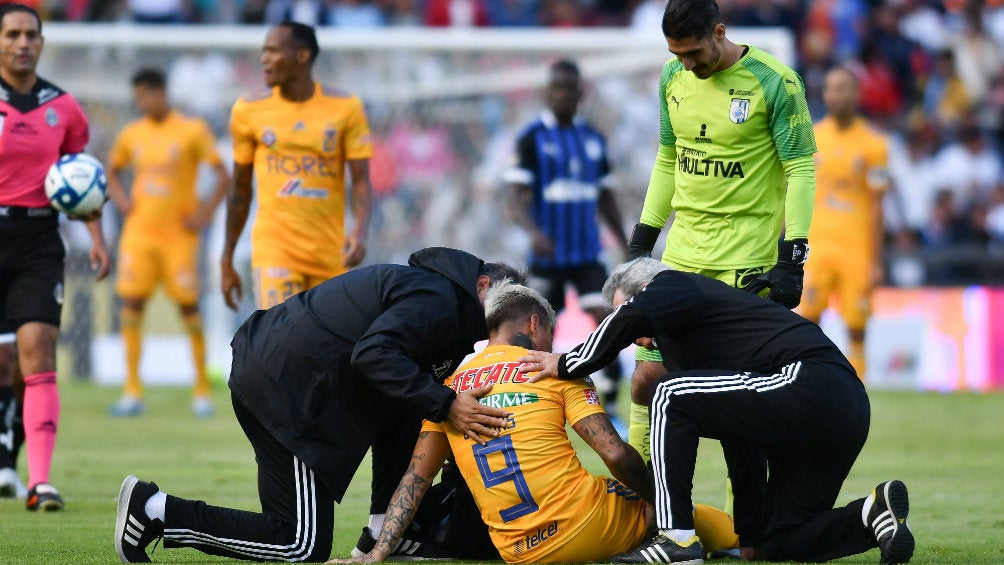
932 76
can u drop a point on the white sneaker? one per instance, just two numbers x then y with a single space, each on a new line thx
127 406
202 407
11 485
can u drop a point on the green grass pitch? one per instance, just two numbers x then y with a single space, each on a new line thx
949 449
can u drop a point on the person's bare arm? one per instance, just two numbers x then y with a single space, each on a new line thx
238 208
427 459
624 462
361 202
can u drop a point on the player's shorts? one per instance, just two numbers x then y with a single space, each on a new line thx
143 263
849 278
618 519
274 285
738 278
587 279
31 267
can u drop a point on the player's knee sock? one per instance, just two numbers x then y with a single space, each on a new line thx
857 357
193 325
41 419
376 525
132 338
8 410
715 528
639 429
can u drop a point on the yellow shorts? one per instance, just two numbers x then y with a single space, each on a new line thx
274 285
618 521
848 278
737 278
143 263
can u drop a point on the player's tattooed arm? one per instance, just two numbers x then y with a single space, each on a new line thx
624 462
427 459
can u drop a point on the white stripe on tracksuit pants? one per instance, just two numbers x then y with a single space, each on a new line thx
697 384
297 510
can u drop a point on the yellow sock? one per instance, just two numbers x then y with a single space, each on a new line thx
715 528
193 325
857 358
132 339
638 430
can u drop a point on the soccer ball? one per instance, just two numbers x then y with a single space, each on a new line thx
76 184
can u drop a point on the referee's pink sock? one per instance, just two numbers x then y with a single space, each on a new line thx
41 418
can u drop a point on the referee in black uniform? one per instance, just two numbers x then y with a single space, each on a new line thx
761 377
312 379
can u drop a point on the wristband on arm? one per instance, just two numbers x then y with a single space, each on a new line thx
643 238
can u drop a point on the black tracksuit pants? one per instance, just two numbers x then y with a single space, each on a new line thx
810 420
297 515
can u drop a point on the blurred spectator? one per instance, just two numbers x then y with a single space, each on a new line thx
881 94
921 23
514 13
977 58
310 12
914 177
945 98
456 13
353 14
947 225
647 16
157 11
843 21
561 13
969 167
906 59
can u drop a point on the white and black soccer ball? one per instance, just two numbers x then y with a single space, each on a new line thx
76 184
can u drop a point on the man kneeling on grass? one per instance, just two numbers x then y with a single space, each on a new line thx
539 503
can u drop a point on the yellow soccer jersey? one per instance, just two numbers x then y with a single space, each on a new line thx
851 164
165 159
533 492
299 151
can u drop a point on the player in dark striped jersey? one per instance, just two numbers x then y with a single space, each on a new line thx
562 180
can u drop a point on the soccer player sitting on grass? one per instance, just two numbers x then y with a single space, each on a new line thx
540 504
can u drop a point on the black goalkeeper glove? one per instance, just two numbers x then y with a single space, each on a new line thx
642 241
785 279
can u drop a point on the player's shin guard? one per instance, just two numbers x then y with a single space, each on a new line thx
41 420
638 430
132 339
193 326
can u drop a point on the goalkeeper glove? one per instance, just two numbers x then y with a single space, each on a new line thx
642 241
785 279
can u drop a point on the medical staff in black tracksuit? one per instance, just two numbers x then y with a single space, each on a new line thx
311 379
756 375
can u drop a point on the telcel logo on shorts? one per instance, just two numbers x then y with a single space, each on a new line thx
532 541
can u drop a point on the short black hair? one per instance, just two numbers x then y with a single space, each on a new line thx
684 19
12 8
499 271
304 35
566 65
150 77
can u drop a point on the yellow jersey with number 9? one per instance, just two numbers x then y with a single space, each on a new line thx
532 490
299 151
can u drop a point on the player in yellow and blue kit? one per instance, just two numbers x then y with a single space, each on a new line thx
539 503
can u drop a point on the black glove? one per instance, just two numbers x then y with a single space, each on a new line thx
785 279
642 241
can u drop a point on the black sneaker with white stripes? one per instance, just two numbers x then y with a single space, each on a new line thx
661 549
887 519
405 550
134 530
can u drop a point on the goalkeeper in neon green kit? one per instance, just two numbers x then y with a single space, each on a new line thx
734 164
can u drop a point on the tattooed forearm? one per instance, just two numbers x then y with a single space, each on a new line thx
623 461
403 505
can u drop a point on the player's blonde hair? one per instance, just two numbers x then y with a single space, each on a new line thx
631 278
507 301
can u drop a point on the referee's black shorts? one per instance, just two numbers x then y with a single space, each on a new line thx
32 259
